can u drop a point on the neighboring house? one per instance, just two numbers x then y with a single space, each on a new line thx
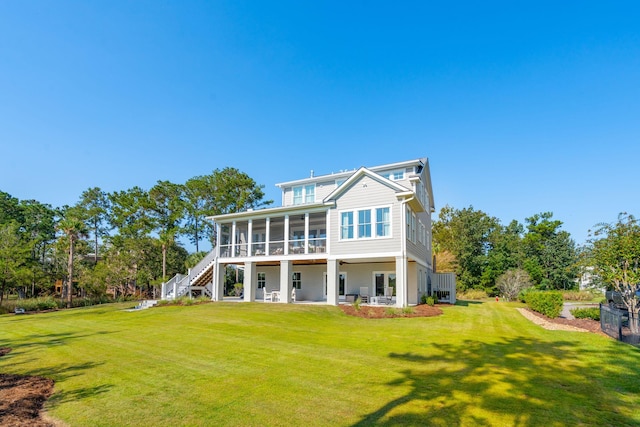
337 236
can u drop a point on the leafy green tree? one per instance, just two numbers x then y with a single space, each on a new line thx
551 255
73 227
38 225
130 214
96 204
14 253
505 253
167 209
9 209
466 234
615 255
197 207
230 190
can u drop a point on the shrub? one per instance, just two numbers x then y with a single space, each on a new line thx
390 311
356 304
512 282
37 304
407 310
586 313
522 295
431 301
237 289
423 299
548 303
473 294
577 296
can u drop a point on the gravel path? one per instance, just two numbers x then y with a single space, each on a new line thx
546 324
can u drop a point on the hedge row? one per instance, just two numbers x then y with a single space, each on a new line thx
586 313
548 303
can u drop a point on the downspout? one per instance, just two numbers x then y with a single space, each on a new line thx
403 255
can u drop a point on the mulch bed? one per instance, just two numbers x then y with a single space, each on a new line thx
22 398
587 324
378 312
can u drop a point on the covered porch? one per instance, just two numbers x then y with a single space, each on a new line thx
390 281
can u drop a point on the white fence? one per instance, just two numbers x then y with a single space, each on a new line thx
443 286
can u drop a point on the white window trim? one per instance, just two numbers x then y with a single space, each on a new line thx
390 175
373 223
303 189
264 283
293 281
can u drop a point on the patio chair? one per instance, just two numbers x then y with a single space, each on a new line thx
293 295
364 294
268 296
388 294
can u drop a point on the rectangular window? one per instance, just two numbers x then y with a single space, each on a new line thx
413 227
364 224
297 279
262 280
304 194
383 222
394 175
297 195
310 193
346 225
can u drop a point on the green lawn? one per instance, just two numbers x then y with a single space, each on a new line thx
272 364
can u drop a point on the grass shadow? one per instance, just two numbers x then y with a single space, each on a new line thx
467 303
518 381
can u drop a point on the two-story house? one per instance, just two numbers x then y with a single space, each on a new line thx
360 232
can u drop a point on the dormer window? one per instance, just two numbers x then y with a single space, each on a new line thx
304 194
396 175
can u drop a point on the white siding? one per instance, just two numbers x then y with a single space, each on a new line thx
366 192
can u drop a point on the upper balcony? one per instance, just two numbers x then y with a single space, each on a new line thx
279 235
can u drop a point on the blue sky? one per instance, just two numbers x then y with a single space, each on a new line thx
521 107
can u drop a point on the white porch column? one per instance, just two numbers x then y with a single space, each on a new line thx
217 293
286 281
306 233
175 289
402 285
163 292
250 280
267 236
218 239
332 282
250 238
286 234
233 239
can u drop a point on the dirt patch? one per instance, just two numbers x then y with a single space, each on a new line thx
378 312
22 398
560 323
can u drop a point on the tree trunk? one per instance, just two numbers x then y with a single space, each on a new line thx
95 251
196 226
70 273
164 262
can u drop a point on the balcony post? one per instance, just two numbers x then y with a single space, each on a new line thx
267 236
286 234
233 239
250 238
306 233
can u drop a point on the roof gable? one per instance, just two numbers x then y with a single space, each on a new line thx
362 172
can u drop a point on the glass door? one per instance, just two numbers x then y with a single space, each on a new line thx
342 284
384 279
